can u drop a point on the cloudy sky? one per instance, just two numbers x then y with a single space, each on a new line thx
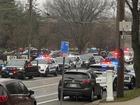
39 2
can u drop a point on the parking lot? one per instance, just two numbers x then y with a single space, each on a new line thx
46 91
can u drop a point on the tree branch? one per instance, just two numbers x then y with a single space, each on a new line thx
130 7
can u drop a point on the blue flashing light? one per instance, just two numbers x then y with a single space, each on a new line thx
115 62
40 57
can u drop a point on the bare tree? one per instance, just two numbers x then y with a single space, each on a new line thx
134 6
80 15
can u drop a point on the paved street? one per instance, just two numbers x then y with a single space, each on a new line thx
46 91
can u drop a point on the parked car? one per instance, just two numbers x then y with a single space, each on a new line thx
129 77
85 60
46 67
2 64
59 61
80 83
19 68
100 71
14 92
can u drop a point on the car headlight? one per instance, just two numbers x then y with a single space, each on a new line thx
3 68
20 69
86 61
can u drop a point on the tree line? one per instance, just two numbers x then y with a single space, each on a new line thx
77 22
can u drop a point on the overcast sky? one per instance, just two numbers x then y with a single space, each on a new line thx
39 2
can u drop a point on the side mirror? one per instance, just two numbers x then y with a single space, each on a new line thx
31 92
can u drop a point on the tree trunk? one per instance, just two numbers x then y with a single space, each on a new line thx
136 46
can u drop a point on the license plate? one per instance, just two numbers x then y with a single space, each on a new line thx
10 73
73 85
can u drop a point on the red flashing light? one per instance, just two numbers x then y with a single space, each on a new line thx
118 53
106 62
126 49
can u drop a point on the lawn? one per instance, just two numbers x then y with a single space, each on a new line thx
129 94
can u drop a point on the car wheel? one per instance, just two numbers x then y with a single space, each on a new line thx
30 77
71 97
99 96
55 74
132 84
46 73
21 76
115 84
35 103
3 76
91 97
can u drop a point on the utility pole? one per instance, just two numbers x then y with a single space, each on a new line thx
120 71
30 27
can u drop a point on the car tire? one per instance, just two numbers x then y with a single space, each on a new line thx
35 103
100 95
71 97
132 84
91 97
3 76
115 84
30 77
55 74
46 72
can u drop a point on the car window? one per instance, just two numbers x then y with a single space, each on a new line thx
2 91
15 62
75 75
14 88
24 88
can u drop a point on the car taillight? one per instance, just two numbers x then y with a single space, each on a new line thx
14 70
3 99
86 81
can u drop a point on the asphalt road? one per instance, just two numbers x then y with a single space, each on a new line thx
46 91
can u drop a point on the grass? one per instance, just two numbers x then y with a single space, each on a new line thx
130 94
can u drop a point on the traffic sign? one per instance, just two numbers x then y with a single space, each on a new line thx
125 26
64 47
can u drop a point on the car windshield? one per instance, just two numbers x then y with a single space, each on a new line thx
99 68
85 57
98 58
60 60
16 63
99 74
75 75
40 61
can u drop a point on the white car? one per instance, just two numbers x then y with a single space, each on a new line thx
128 56
100 71
47 67
101 79
129 77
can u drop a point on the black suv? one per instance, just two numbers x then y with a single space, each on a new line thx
80 83
14 92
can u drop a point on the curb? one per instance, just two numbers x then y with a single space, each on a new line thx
97 102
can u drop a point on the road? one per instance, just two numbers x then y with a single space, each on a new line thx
46 91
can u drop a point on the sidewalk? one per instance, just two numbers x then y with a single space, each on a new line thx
135 101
